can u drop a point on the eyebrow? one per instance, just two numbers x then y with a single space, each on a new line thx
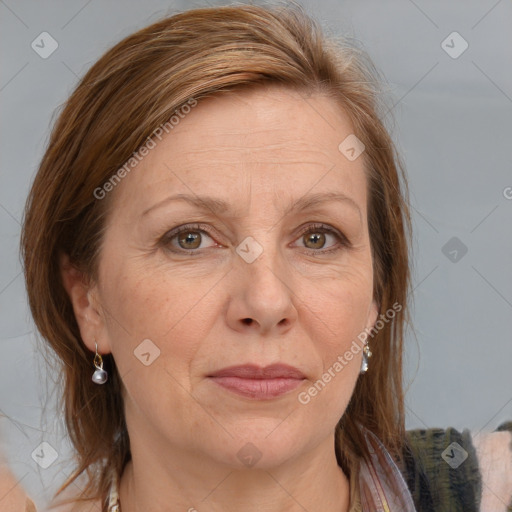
218 206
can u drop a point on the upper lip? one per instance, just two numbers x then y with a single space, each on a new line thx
252 371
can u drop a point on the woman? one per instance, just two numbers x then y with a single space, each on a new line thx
215 244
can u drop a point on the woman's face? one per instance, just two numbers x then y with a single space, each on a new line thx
252 279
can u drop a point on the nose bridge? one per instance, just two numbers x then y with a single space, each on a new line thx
263 281
262 259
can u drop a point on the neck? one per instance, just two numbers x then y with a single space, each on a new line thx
157 479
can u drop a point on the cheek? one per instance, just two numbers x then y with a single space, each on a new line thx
142 305
339 307
336 316
149 328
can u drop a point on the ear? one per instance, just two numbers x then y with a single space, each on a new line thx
83 296
373 313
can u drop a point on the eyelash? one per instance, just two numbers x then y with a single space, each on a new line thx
314 228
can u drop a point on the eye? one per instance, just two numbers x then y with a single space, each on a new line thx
315 237
188 239
185 239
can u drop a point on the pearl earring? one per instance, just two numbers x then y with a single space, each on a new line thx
100 376
366 354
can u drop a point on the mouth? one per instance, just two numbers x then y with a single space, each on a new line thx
252 381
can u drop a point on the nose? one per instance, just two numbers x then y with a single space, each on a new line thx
262 299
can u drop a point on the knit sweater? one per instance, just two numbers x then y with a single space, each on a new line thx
451 471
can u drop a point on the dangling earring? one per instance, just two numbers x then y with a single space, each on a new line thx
366 355
100 376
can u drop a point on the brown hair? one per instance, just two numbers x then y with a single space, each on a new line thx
130 91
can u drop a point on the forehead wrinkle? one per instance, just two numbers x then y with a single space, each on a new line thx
244 139
284 153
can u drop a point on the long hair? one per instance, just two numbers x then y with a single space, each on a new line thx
134 88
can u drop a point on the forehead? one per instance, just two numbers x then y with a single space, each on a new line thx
262 122
272 137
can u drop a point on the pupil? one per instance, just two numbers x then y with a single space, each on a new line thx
189 239
315 238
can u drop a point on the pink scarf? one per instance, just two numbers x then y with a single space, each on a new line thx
381 484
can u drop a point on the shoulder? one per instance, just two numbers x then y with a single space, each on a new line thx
494 454
68 501
446 469
12 496
75 507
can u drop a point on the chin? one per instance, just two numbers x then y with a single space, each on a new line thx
262 448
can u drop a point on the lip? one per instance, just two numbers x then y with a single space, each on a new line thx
252 381
253 371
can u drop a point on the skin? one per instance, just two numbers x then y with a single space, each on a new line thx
12 494
259 150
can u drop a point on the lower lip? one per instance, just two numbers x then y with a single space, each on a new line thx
259 389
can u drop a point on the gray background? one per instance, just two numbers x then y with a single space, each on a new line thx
453 127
